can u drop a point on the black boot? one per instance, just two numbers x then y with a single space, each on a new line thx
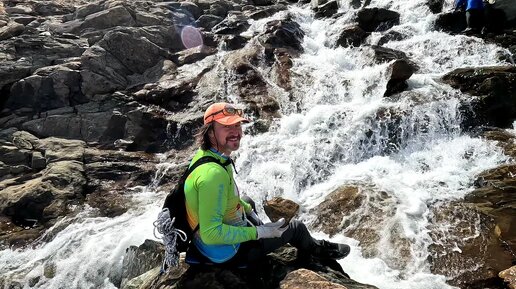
328 250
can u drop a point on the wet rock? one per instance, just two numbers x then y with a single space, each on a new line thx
505 139
46 196
278 208
509 276
253 89
326 10
496 90
360 3
281 68
398 72
284 33
436 6
335 206
263 2
49 270
379 238
303 278
391 36
495 197
38 199
466 248
453 22
154 133
384 54
138 260
377 19
316 3
352 35
110 174
110 203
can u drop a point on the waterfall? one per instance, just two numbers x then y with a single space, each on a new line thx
410 147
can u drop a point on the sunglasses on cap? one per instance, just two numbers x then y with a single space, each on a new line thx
227 111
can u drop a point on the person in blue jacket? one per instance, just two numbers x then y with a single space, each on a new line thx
474 14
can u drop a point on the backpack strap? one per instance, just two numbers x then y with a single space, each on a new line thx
201 161
207 159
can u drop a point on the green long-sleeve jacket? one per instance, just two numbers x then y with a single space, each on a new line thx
213 202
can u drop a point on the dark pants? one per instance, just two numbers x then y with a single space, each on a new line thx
296 235
475 19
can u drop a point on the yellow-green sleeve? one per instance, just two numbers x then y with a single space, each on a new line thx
247 207
213 188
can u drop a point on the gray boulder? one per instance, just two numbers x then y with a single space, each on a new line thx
126 52
48 88
10 30
44 197
508 7
377 19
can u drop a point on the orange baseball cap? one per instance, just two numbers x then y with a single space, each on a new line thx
223 113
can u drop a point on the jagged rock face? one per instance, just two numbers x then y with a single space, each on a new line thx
496 88
495 197
509 277
280 269
40 180
468 249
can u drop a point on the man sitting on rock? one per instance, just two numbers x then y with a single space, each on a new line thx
229 229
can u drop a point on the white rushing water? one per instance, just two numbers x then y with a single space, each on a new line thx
342 131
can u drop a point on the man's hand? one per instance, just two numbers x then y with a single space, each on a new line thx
271 230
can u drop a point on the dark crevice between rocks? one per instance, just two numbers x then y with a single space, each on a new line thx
28 212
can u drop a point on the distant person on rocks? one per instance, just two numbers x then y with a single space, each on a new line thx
229 229
474 14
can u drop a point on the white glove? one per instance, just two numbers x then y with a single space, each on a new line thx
271 230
